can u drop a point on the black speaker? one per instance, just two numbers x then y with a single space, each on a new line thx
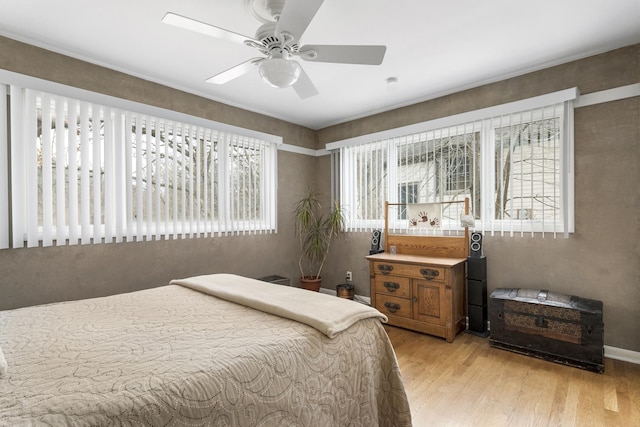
478 320
477 268
375 242
477 291
475 245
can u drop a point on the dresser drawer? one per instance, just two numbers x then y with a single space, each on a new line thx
393 306
393 285
426 272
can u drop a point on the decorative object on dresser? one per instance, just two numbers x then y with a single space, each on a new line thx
422 285
556 327
477 295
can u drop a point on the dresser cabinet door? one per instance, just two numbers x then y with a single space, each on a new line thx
429 302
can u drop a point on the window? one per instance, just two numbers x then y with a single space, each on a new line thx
407 193
527 171
88 172
368 177
457 167
513 167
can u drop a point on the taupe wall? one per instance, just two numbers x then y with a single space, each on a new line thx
601 260
41 275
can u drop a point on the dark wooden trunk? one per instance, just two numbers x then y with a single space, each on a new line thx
559 328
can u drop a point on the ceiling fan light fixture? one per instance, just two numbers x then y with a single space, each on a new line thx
279 72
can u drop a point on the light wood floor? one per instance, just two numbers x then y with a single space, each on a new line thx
468 383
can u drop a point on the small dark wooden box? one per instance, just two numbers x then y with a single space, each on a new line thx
559 328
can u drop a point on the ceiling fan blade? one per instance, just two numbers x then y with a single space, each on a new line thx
296 16
304 87
235 72
202 28
344 54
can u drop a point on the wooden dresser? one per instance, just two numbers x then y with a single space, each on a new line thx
419 280
421 293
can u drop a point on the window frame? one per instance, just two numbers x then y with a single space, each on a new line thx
16 234
488 122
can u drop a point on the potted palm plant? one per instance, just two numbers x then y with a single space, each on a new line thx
315 232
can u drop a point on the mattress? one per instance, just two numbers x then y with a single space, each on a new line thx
174 356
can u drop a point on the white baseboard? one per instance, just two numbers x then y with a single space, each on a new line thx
363 300
622 354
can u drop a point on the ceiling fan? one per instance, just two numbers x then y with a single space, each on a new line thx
284 23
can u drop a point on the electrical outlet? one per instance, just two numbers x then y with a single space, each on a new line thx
349 277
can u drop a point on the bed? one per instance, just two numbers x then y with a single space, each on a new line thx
215 350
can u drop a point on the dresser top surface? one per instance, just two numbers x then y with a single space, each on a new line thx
416 259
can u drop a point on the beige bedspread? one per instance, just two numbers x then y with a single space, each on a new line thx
175 356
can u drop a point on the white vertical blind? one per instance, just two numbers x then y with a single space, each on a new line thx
4 166
157 208
567 168
198 136
335 177
166 212
515 169
146 185
31 205
73 150
191 166
121 171
224 205
529 174
46 159
408 169
139 210
130 161
272 190
19 173
96 175
174 193
85 177
61 144
213 190
364 168
109 179
89 173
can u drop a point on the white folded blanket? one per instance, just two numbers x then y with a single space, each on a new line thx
326 313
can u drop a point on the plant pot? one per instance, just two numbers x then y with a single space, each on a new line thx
311 283
344 290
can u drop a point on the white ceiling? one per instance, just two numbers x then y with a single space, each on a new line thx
433 47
